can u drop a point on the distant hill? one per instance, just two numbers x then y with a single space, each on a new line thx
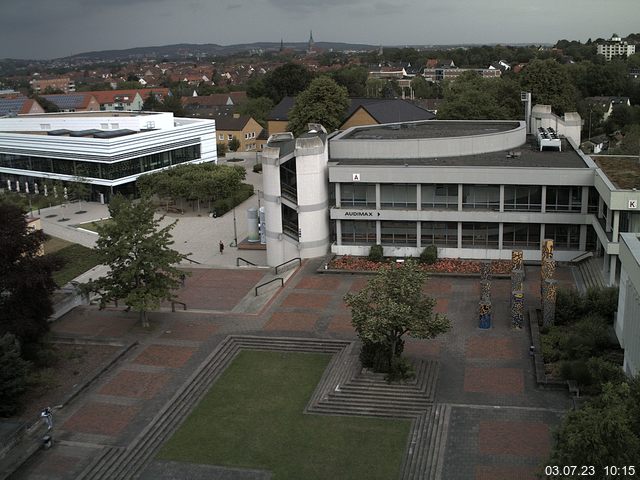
207 49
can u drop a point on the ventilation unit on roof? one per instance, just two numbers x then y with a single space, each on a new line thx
548 138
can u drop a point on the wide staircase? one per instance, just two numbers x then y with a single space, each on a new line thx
343 390
591 272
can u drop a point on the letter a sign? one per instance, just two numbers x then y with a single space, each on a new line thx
356 177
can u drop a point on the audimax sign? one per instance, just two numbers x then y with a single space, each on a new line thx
361 213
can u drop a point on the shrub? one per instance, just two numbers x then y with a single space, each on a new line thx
570 306
401 369
375 356
603 371
222 149
257 168
376 253
576 370
429 255
603 301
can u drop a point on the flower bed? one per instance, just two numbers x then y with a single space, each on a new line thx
443 265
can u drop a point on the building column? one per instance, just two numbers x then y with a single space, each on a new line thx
612 269
600 206
501 203
460 192
541 235
500 233
338 205
338 232
543 202
378 200
584 207
378 233
616 225
418 200
459 234
583 238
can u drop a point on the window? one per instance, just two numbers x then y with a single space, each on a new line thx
230 137
440 196
594 198
400 196
289 180
45 126
104 126
356 232
564 199
521 235
358 195
221 136
398 233
442 234
565 237
480 235
522 198
290 222
115 126
481 197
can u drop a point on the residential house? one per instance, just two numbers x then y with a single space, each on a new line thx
242 127
19 106
615 47
74 102
65 84
127 100
608 104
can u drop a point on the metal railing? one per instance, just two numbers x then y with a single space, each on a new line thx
192 261
244 260
298 259
267 283
173 305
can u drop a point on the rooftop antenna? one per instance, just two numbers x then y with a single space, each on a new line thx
525 97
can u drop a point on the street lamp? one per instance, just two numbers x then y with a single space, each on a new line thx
235 230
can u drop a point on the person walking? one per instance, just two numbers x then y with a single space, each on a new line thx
221 247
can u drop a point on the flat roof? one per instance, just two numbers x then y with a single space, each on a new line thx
527 155
429 129
101 113
623 171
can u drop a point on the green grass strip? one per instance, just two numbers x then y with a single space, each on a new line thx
252 418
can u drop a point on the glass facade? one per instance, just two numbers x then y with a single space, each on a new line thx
358 195
522 198
290 222
565 237
481 197
358 232
101 170
480 235
521 235
439 196
398 233
564 199
289 180
442 234
399 195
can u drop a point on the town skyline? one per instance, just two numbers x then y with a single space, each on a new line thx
70 27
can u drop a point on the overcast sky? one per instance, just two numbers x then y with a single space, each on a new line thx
38 29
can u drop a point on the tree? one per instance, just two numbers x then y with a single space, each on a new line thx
142 266
324 102
353 78
603 432
257 108
286 80
549 84
423 89
234 144
26 283
47 105
393 304
151 103
221 149
79 189
14 371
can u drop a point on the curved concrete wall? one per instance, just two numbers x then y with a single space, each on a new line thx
430 147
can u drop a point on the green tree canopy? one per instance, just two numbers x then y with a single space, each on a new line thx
26 283
393 304
353 78
550 84
234 144
286 80
14 372
257 108
324 102
142 265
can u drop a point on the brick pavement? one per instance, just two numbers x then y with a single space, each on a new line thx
500 421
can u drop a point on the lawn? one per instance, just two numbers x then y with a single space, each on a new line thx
253 418
93 226
78 259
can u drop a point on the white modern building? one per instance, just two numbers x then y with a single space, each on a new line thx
108 150
627 324
615 47
475 189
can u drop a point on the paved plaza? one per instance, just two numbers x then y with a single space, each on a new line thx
500 423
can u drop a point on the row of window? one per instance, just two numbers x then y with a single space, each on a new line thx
521 198
247 136
107 171
474 234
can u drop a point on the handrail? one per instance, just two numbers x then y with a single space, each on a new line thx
288 261
173 305
192 261
267 283
244 260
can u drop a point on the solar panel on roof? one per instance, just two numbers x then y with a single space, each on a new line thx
11 105
65 102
